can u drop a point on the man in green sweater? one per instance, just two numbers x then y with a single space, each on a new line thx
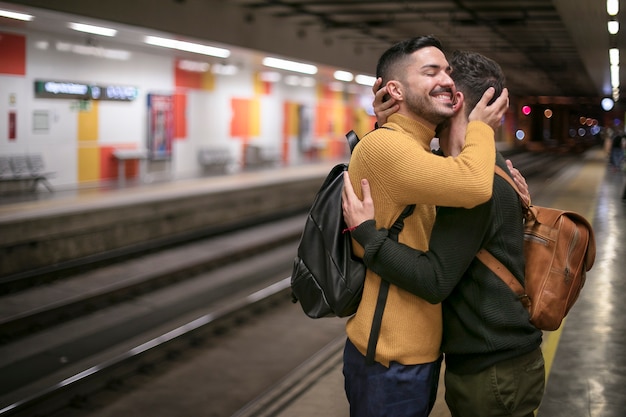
494 364
397 161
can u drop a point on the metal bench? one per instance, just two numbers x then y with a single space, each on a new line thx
24 168
215 160
261 157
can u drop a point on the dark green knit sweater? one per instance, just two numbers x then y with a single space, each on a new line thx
483 322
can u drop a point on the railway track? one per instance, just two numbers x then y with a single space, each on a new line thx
214 365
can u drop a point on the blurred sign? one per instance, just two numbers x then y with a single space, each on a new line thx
72 90
160 125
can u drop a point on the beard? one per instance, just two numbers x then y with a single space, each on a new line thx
423 107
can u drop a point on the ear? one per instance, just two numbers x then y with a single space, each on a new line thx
459 100
394 88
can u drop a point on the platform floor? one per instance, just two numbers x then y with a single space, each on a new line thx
585 358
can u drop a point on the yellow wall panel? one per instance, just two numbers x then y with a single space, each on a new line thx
208 81
88 163
293 119
339 118
88 150
88 123
255 117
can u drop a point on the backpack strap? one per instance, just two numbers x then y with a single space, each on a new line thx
353 139
394 231
493 263
504 274
502 173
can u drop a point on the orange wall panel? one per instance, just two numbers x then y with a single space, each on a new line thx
180 120
187 79
239 123
109 165
246 120
12 54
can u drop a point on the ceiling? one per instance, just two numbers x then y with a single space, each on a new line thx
555 50
544 47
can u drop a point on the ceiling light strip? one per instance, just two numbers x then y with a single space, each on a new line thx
195 48
290 65
15 15
95 30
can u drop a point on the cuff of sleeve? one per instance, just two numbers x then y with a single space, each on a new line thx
370 238
365 232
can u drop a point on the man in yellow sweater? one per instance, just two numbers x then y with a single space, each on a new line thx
397 161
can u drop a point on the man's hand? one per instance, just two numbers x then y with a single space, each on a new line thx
356 211
382 108
520 181
492 114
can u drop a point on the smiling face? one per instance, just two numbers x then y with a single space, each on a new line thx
425 90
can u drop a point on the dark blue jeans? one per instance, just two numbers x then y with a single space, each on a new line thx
397 391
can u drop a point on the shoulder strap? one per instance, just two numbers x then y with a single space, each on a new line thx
353 139
493 263
394 231
502 173
504 274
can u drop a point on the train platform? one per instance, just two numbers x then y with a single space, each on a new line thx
44 229
585 359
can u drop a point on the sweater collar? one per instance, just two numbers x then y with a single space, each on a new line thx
411 127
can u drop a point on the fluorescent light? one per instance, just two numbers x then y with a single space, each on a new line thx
270 76
43 45
614 76
365 80
193 66
16 15
614 56
195 48
96 30
613 26
336 86
224 69
292 80
289 65
343 76
118 54
307 82
612 7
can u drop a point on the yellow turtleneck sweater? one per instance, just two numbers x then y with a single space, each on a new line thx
402 170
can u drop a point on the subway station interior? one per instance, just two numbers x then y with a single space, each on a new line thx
158 160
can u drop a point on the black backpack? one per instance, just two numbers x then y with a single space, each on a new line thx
327 279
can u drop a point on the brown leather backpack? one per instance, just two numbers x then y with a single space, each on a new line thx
559 249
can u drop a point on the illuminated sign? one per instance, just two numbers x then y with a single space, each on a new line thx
71 90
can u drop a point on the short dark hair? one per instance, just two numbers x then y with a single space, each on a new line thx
473 74
387 66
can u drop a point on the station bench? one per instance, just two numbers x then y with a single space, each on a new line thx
261 157
27 168
215 160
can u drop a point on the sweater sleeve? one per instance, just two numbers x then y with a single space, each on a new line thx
410 174
457 236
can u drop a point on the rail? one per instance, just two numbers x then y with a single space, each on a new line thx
97 377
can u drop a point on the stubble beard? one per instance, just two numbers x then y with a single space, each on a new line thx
428 108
